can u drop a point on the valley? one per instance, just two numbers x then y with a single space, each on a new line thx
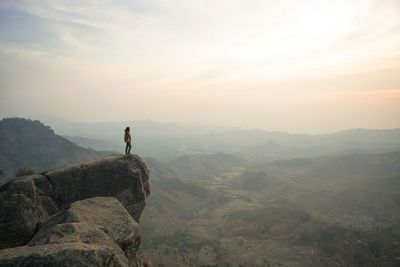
250 198
325 211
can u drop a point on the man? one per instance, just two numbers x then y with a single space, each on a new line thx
127 139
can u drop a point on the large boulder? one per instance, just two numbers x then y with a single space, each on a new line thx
27 202
66 254
93 232
105 212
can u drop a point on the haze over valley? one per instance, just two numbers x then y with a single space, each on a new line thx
262 133
250 197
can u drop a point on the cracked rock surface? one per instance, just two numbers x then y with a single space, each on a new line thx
89 204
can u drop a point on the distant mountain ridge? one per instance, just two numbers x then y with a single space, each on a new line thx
96 144
166 141
28 143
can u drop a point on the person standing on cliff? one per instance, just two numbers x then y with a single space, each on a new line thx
127 139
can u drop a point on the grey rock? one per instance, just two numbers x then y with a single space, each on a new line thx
65 254
27 202
104 212
93 232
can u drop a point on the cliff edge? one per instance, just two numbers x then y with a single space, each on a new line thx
85 214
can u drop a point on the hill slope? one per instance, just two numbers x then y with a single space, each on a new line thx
324 211
30 143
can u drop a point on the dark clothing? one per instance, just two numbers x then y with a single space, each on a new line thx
128 148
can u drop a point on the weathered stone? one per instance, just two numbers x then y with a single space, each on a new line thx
104 212
77 233
27 202
97 231
18 219
65 254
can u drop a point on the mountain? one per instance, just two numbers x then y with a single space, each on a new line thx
112 129
387 136
250 198
166 141
28 143
280 145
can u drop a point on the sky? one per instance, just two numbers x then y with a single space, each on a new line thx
312 66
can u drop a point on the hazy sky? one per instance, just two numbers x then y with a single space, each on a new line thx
300 66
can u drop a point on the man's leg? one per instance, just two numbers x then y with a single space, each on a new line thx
129 149
126 149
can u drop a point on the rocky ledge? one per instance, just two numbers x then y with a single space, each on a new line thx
84 214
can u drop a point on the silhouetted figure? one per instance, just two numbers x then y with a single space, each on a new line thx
127 139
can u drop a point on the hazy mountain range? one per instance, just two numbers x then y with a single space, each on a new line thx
246 197
166 141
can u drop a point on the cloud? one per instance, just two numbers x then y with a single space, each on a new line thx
175 49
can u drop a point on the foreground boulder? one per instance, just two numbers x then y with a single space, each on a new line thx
68 254
93 232
104 212
28 202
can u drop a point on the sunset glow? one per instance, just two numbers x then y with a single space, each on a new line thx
279 65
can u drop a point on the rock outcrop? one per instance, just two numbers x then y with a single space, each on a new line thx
82 215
